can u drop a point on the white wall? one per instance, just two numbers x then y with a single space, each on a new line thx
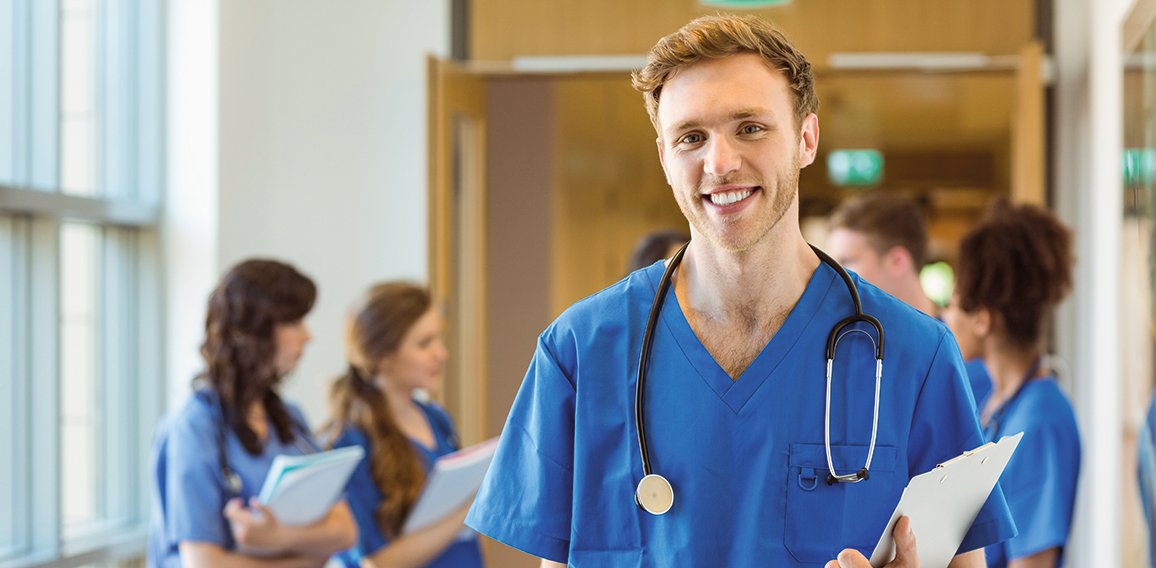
321 153
189 234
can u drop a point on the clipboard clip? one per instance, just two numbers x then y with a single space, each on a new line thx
965 455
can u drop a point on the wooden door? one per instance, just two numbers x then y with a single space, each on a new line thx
457 236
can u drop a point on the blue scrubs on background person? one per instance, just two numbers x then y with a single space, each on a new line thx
189 489
1146 475
364 496
745 457
1039 481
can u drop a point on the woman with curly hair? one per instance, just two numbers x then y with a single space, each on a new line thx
211 456
393 342
1013 268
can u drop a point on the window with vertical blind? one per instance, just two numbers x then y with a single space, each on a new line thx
81 124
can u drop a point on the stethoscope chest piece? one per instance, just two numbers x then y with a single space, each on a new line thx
233 481
654 494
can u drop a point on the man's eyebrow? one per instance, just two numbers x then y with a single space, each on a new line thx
750 112
737 115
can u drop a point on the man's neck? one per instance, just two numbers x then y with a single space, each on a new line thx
762 281
736 302
911 293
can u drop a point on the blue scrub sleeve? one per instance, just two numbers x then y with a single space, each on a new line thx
525 500
195 495
363 495
946 399
1038 493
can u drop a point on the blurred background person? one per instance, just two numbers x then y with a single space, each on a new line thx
1013 268
394 346
883 238
656 246
210 457
1146 475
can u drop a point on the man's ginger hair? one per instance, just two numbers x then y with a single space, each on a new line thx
716 37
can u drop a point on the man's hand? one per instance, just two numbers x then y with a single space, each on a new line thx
905 554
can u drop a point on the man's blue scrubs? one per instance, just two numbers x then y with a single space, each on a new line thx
1040 479
745 457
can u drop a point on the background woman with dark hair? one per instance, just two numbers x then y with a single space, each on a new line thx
254 336
393 342
1013 268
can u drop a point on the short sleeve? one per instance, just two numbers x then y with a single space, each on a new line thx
1039 482
945 425
195 498
525 499
363 495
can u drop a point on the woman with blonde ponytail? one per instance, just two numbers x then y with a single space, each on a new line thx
393 343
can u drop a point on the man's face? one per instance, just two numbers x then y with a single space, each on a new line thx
730 148
854 252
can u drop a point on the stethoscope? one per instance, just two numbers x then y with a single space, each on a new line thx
654 493
232 479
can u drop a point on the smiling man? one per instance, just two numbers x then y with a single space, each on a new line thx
740 463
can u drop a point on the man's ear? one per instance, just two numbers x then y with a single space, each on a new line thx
662 158
984 320
898 261
808 140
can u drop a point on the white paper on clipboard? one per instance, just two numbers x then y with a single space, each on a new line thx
943 503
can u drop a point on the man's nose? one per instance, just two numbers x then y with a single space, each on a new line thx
722 157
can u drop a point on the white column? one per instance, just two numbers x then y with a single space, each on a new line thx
1089 113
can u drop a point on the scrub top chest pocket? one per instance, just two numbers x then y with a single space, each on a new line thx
822 519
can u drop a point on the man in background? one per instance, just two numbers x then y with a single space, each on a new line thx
883 238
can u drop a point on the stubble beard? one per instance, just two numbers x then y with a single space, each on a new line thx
784 192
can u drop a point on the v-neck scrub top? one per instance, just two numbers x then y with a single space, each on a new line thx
188 489
364 496
745 457
1040 478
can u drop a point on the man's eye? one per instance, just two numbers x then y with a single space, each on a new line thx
751 129
692 139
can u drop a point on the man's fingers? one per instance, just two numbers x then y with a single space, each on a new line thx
906 555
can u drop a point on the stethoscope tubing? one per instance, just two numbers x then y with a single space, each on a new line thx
644 354
833 338
233 482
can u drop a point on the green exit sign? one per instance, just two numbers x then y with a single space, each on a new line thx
1139 166
745 3
855 167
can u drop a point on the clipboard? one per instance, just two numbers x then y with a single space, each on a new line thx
943 503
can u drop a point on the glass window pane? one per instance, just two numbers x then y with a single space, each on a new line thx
7 123
78 124
9 272
80 419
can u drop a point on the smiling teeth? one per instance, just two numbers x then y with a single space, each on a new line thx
729 197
